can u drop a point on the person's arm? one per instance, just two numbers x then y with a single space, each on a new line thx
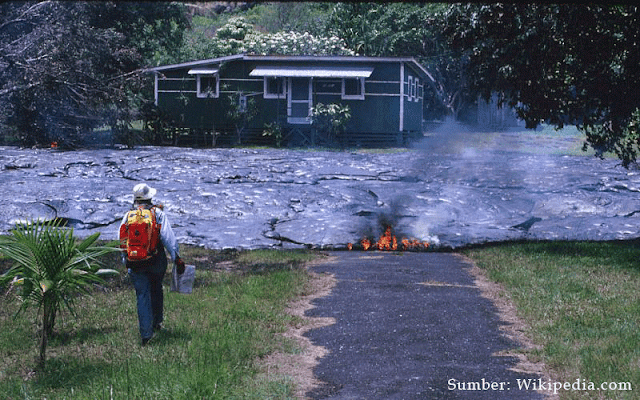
169 240
167 236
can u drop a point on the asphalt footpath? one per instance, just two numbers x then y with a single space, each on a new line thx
411 326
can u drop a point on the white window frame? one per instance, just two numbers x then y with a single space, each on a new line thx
270 95
410 88
206 95
350 96
414 89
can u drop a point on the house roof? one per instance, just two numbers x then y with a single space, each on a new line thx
218 60
325 59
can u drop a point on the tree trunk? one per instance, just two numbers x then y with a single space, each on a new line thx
48 320
43 339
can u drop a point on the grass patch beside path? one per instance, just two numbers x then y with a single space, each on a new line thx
208 348
582 303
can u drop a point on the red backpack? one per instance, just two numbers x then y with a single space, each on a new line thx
140 234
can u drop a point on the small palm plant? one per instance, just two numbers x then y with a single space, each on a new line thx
51 267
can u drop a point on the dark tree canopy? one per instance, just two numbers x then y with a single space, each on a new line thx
557 63
67 67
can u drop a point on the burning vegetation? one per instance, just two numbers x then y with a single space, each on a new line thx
389 242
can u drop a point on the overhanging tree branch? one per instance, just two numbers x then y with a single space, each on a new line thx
16 88
67 67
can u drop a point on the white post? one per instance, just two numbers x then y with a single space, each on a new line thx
155 87
401 96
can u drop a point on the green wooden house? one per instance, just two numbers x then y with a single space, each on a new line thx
234 98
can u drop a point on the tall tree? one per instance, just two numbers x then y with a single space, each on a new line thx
405 29
65 67
297 16
558 63
154 30
359 25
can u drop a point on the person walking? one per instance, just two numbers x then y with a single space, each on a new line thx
145 256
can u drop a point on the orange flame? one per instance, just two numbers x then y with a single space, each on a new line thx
389 242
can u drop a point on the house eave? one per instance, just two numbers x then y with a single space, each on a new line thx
301 58
312 71
192 64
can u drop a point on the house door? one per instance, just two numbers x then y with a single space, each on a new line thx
300 101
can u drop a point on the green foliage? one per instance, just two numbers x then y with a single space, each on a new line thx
156 123
603 138
155 31
242 109
406 30
198 43
71 67
357 23
331 118
239 36
557 63
291 16
51 268
210 346
273 130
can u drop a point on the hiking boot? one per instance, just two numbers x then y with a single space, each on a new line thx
146 340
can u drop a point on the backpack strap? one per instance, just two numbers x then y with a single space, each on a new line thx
155 218
158 227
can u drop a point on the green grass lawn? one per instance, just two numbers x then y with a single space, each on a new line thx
581 301
208 348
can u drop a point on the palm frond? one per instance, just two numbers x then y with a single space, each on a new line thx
51 267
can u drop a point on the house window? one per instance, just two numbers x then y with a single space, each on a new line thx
353 88
274 87
207 86
327 86
414 89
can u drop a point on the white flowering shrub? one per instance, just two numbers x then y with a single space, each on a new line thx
239 36
295 43
231 36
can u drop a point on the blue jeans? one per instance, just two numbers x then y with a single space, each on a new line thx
149 296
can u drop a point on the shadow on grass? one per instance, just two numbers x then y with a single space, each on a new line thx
80 336
60 372
170 336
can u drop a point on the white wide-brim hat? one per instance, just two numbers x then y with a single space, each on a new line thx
142 191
